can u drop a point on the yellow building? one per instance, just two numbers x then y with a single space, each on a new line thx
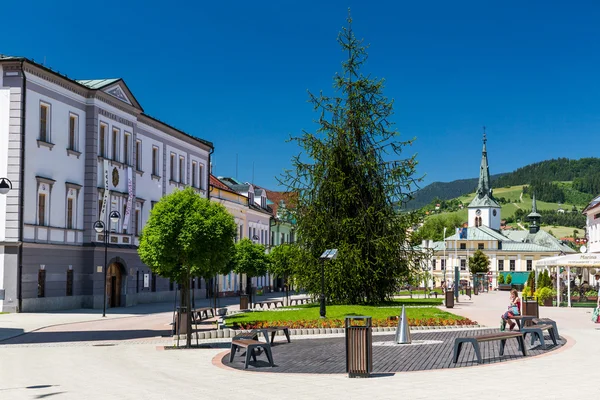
510 251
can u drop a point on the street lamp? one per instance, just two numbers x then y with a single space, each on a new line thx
100 227
5 185
329 254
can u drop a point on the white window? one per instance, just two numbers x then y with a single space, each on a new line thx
194 173
137 225
44 187
138 155
200 176
71 205
155 161
45 122
172 166
73 132
102 140
126 148
181 169
115 144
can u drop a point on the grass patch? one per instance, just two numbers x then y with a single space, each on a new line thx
383 315
407 293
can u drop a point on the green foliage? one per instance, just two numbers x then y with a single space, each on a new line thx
433 228
187 235
250 258
561 169
501 279
349 187
551 217
531 281
283 260
545 191
527 292
479 262
543 294
544 280
508 279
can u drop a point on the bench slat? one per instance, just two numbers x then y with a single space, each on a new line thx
497 336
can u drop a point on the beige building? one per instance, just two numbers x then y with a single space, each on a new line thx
510 251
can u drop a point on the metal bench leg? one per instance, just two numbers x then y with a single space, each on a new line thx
542 340
248 355
269 355
502 344
234 348
552 336
522 345
286 332
457 348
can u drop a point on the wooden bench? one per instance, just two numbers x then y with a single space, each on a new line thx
521 320
250 346
538 330
475 340
274 329
268 303
197 313
547 321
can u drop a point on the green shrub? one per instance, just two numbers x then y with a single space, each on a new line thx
501 279
527 292
542 294
508 279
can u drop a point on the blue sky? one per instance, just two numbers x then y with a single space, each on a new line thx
237 72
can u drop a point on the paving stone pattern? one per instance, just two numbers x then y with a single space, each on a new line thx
328 356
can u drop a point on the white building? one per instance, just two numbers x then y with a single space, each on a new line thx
75 150
592 226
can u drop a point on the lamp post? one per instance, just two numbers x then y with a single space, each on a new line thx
100 227
445 263
329 254
5 185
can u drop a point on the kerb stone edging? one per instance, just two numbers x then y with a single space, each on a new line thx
230 333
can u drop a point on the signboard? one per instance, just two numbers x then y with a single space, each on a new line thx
146 280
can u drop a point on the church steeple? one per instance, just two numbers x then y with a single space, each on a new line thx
534 217
483 186
484 210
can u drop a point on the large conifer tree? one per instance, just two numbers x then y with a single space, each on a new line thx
350 186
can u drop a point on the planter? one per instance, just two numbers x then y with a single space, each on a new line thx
592 298
548 302
221 312
504 287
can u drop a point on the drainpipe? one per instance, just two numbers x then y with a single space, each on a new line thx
21 194
209 172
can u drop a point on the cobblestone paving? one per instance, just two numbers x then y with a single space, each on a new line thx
327 356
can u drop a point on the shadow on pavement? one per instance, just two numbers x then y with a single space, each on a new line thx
85 336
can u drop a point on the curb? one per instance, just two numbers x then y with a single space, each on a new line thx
230 333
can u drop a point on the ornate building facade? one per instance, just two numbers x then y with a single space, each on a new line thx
75 151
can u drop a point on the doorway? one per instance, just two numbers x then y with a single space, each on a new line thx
114 284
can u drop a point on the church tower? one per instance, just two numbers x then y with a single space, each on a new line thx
534 217
484 210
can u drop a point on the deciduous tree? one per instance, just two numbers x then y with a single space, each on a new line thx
187 235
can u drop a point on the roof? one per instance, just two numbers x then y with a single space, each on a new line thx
97 83
217 183
483 194
593 204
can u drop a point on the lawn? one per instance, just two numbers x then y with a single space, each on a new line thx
562 231
407 293
307 315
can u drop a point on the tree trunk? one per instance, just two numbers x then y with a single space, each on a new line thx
188 339
249 289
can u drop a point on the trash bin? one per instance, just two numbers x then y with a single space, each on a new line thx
359 347
180 325
469 291
449 295
476 290
243 301
530 307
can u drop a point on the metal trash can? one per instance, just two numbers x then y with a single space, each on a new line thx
243 301
530 307
476 290
180 325
449 299
469 291
359 347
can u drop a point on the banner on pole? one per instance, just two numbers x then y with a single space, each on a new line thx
105 197
129 198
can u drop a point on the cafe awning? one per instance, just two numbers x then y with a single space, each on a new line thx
583 260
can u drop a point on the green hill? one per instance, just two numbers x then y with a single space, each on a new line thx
557 180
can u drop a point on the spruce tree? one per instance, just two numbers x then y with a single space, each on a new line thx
350 186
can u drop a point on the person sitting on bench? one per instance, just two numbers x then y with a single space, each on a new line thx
513 309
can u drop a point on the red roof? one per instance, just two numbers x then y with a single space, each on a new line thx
276 197
217 183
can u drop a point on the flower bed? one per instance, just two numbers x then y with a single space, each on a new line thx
338 323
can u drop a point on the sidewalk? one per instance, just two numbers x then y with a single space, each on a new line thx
159 316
